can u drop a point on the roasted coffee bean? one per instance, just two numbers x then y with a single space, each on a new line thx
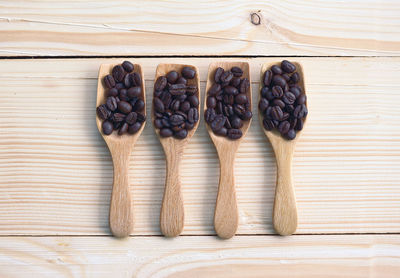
160 83
107 127
296 91
137 79
177 89
277 92
228 99
176 119
295 78
235 82
293 122
191 115
291 134
244 86
134 128
286 76
300 111
239 109
165 122
284 127
218 122
263 104
175 104
219 96
134 92
289 108
217 75
122 95
247 115
172 76
118 117
102 112
158 123
128 66
191 90
193 100
286 88
267 113
299 124
109 81
133 101
159 105
181 80
267 78
278 80
177 128
127 81
188 73
234 133
119 86
241 99
181 134
289 98
183 114
215 88
131 118
185 106
111 103
113 92
166 132
288 66
237 72
211 102
278 102
209 115
236 122
230 90
118 73
227 123
276 113
301 99
268 124
285 116
139 105
226 77
276 70
124 107
117 125
141 117
219 108
123 129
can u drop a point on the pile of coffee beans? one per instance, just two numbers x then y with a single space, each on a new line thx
228 104
175 103
124 107
283 103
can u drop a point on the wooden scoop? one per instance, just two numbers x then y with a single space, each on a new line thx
172 211
226 217
120 146
285 210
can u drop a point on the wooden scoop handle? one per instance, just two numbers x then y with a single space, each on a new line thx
285 210
121 211
226 217
172 211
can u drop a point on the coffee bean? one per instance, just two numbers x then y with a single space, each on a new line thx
286 77
237 72
263 104
244 86
235 82
172 76
131 118
113 92
247 115
118 117
102 112
278 80
239 109
128 66
299 124
217 75
218 122
241 99
176 119
193 100
211 102
230 90
127 81
236 122
278 102
188 73
124 107
209 115
286 88
301 99
289 98
166 132
118 73
295 77
134 128
158 105
226 77
234 133
139 105
141 117
107 127
123 129
285 116
160 83
293 122
119 86
158 123
276 113
284 127
191 90
181 134
137 79
291 134
117 125
111 103
215 88
109 81
134 92
288 66
289 108
277 92
122 95
177 89
221 132
181 80
276 70
268 124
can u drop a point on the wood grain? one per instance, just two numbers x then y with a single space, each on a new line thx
226 216
331 256
32 28
56 172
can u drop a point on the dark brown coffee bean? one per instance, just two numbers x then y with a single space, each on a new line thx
165 122
239 109
267 113
181 134
134 128
172 76
296 90
236 122
127 81
176 119
276 69
118 73
301 99
227 123
117 125
131 118
190 117
247 115
276 113
209 115
237 72
230 90
166 132
234 133
226 77
118 117
286 76
263 105
175 104
244 86
217 75
107 127
128 66
284 127
229 99
219 96
269 95
277 92
109 81
291 134
289 108
111 103
299 124
191 90
102 112
134 92
221 132
189 126
123 129
181 80
241 99
278 102
188 72
268 124
288 66
185 106
158 105
285 116
293 122
218 122
124 107
278 80
160 83
300 111
235 82
194 101
177 89
286 88
215 88
141 117
295 77
211 102
289 98
183 114
158 123
122 95
177 128
139 105
267 78
113 92
133 101
119 86
137 79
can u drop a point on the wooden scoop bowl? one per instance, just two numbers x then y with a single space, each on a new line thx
172 210
226 217
120 146
285 210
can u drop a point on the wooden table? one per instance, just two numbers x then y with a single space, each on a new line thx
56 172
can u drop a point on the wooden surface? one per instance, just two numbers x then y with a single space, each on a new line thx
56 172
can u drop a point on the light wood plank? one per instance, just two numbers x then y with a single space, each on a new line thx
56 172
200 28
353 256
